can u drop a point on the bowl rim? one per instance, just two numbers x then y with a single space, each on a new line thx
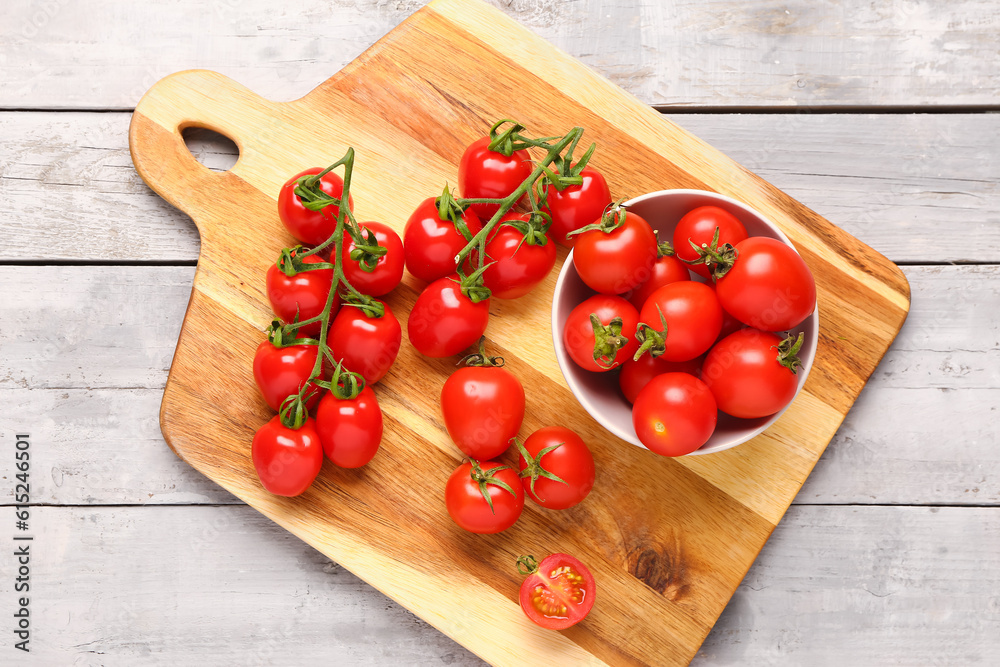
562 357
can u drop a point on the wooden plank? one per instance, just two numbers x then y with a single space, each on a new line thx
161 586
897 445
889 180
843 53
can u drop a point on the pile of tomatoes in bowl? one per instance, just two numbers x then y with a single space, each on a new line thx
684 321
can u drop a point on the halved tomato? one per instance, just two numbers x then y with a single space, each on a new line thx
559 591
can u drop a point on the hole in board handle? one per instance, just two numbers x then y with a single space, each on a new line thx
216 151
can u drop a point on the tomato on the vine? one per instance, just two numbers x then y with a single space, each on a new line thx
558 593
520 259
483 409
698 226
444 321
667 269
753 373
607 342
388 268
558 471
616 261
769 286
366 344
576 206
302 295
287 460
693 319
350 429
486 174
484 497
674 414
430 244
636 373
281 371
311 227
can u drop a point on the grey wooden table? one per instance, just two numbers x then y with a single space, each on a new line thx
879 114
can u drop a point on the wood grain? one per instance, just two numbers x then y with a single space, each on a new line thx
844 53
680 558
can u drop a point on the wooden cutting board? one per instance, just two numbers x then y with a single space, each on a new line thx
668 540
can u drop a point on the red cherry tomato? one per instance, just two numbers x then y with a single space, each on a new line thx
303 295
636 374
746 374
466 492
443 321
558 593
693 316
674 414
576 205
389 268
668 269
366 345
483 409
518 264
769 286
281 371
569 459
699 226
580 341
617 261
311 227
430 244
286 460
485 174
350 429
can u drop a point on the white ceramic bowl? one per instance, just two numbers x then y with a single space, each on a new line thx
598 393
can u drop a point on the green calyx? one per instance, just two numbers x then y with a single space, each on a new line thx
293 411
311 195
527 565
480 359
533 230
343 384
290 261
472 285
485 478
509 140
284 335
608 339
718 259
664 249
650 339
449 210
612 219
567 172
372 308
788 351
366 252
534 468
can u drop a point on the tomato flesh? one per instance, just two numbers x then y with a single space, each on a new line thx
560 594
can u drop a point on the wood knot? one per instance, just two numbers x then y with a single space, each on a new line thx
660 570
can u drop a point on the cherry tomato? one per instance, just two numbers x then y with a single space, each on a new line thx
749 376
281 371
693 316
636 374
674 414
699 226
444 321
558 593
617 261
576 205
567 458
430 244
518 264
311 227
485 174
729 324
303 295
769 286
286 460
613 348
350 429
667 269
389 268
483 409
366 345
466 492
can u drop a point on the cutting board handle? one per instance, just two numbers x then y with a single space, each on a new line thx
192 98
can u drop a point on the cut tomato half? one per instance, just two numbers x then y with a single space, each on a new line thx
559 591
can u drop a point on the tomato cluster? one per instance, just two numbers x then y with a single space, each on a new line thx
684 349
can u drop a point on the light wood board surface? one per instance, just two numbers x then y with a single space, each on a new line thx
921 432
669 547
